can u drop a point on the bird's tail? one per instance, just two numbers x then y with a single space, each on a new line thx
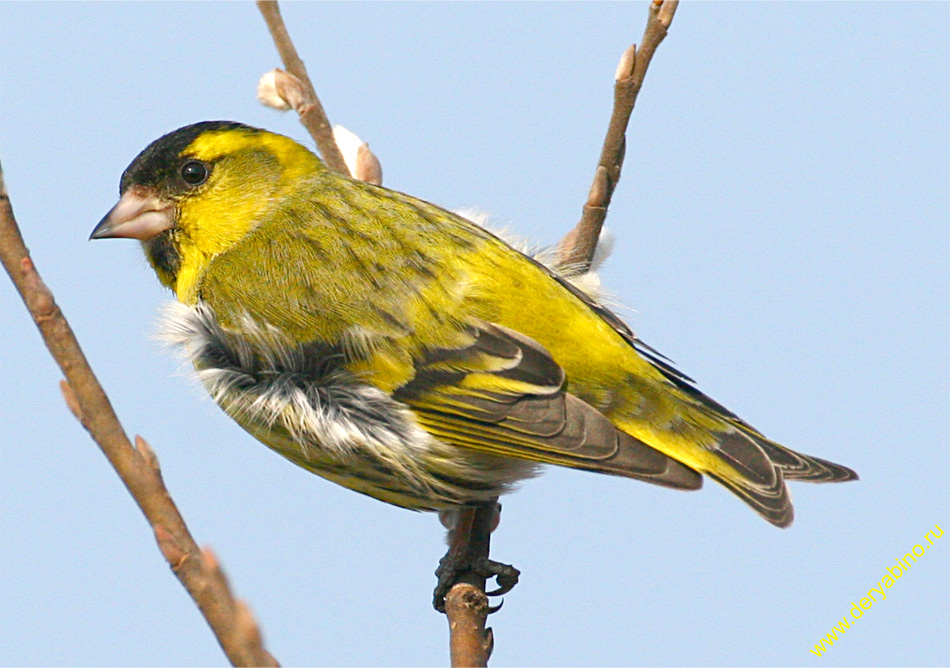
736 455
796 466
755 469
721 445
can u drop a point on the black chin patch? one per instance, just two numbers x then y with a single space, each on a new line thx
162 252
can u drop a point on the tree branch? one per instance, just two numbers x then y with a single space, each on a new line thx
470 643
576 249
198 570
466 604
311 112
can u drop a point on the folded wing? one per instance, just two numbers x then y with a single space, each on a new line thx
502 393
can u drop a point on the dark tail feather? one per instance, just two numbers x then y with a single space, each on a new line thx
757 480
773 504
796 466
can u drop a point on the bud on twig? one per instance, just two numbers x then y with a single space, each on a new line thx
665 11
360 161
626 64
368 167
598 193
279 90
172 550
71 401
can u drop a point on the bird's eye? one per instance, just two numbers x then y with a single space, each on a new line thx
194 172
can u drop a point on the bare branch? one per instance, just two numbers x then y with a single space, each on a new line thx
137 466
470 643
466 604
576 249
311 112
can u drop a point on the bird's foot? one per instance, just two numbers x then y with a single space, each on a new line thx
453 566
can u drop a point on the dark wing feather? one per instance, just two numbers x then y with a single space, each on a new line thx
504 394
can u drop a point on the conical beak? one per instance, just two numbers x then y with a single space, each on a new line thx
140 214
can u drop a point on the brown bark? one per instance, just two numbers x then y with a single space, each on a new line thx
198 570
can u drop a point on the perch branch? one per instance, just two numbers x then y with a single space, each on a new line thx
576 249
466 604
311 112
198 570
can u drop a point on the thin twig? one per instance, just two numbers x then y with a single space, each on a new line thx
466 604
311 112
138 468
576 249
470 643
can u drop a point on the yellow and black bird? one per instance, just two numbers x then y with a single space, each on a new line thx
405 352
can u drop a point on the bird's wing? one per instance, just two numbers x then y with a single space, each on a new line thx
502 393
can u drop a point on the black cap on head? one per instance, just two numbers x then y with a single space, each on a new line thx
160 159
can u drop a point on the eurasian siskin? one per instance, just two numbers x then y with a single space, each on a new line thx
405 352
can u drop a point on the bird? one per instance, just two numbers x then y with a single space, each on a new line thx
406 352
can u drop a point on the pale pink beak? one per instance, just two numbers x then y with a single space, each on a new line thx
140 214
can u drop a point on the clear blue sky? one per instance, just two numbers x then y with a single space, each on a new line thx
783 233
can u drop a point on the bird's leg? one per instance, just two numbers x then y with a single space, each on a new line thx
467 557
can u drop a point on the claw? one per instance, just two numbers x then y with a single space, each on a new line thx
451 567
506 576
